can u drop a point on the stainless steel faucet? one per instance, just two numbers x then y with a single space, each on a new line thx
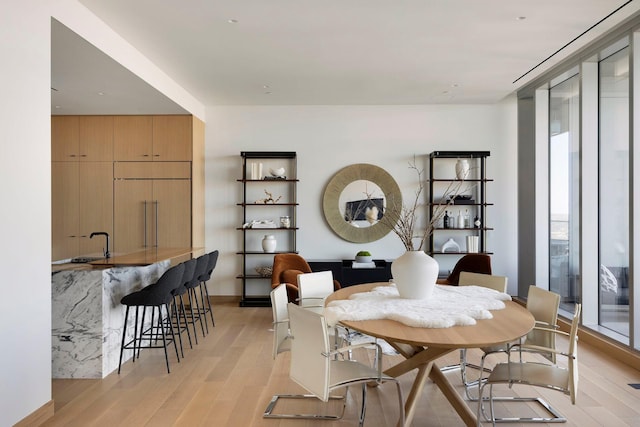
102 233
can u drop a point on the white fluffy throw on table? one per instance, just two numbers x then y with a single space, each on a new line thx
448 306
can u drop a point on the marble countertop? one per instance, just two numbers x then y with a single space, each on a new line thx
141 258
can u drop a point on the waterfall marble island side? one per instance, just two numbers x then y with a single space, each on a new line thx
87 317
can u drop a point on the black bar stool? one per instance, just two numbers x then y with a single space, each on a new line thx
157 295
178 302
201 268
204 292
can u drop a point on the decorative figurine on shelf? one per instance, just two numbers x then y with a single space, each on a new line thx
462 169
269 199
450 246
476 222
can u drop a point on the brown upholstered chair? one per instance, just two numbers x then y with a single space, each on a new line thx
286 268
474 263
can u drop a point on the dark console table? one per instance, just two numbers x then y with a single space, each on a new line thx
344 273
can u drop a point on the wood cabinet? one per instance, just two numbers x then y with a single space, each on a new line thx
81 203
172 136
153 138
152 205
107 169
81 138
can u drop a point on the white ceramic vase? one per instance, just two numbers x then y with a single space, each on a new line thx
415 274
462 169
269 243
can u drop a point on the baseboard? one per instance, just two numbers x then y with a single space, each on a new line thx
38 417
221 299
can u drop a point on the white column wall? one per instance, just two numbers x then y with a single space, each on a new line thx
25 252
328 138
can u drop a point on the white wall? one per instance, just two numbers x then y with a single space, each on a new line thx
25 252
327 138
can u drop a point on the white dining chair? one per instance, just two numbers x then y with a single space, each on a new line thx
321 369
537 374
499 284
282 343
544 305
314 288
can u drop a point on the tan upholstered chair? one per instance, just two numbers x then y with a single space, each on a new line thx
475 263
286 268
536 374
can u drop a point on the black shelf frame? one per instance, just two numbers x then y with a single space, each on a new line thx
481 205
249 299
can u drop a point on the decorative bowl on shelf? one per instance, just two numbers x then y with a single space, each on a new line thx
265 270
277 172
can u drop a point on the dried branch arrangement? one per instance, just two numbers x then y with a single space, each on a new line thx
405 225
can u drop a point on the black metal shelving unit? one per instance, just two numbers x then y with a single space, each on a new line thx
478 181
256 287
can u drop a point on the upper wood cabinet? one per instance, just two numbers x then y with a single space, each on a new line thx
172 138
95 138
153 138
133 138
81 138
64 138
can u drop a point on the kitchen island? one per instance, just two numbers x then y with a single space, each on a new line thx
87 317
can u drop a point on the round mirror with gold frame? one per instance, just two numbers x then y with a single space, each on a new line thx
361 202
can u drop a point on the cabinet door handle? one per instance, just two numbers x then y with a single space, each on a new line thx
145 225
156 204
145 155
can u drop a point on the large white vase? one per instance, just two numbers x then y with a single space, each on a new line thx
415 274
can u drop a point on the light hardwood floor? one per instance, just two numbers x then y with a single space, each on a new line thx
229 378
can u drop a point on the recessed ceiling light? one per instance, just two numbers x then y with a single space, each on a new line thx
101 93
232 21
265 86
57 106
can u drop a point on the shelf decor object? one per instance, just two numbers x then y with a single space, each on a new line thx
271 210
467 224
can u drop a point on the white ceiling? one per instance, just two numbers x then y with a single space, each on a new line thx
331 52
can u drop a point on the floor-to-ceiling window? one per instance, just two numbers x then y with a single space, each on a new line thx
564 189
614 196
581 124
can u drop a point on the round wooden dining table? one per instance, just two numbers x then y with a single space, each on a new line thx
421 347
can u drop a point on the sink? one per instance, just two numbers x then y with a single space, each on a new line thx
86 259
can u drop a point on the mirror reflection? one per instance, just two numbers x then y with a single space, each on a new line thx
362 203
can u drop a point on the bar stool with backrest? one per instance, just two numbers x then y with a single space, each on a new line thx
178 302
211 265
196 316
157 295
